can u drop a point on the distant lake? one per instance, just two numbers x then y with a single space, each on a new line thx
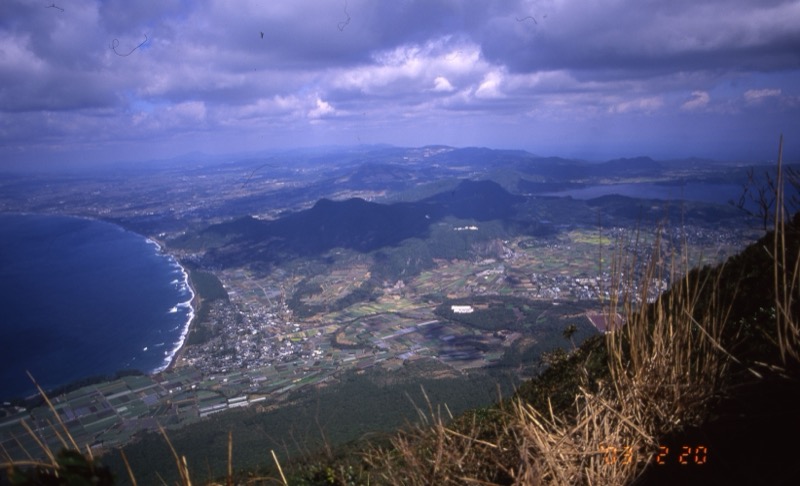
690 191
80 298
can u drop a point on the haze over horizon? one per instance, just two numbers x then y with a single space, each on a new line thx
92 82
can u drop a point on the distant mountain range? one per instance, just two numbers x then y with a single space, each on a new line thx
366 226
304 203
287 181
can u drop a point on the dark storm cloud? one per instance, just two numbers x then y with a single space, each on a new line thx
121 16
649 37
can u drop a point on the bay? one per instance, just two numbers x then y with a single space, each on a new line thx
688 191
81 298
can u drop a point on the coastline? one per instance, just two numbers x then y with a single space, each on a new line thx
173 288
193 304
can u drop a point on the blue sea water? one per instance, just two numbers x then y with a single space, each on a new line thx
80 298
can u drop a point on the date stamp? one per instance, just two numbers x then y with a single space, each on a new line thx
684 455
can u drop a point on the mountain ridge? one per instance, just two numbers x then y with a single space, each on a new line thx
362 225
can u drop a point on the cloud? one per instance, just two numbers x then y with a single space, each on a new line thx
698 101
490 86
442 84
192 111
410 69
755 96
322 109
395 67
618 39
640 105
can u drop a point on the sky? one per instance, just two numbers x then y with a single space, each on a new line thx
85 81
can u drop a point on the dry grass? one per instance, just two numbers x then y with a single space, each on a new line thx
430 452
786 272
599 446
667 364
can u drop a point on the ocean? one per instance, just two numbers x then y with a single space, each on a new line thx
81 298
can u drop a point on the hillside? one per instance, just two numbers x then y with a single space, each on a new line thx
731 433
719 410
758 400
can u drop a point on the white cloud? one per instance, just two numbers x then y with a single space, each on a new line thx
275 106
490 86
190 110
698 101
16 57
442 84
638 105
755 96
410 69
463 59
323 109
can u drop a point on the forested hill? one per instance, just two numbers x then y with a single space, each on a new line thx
361 225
